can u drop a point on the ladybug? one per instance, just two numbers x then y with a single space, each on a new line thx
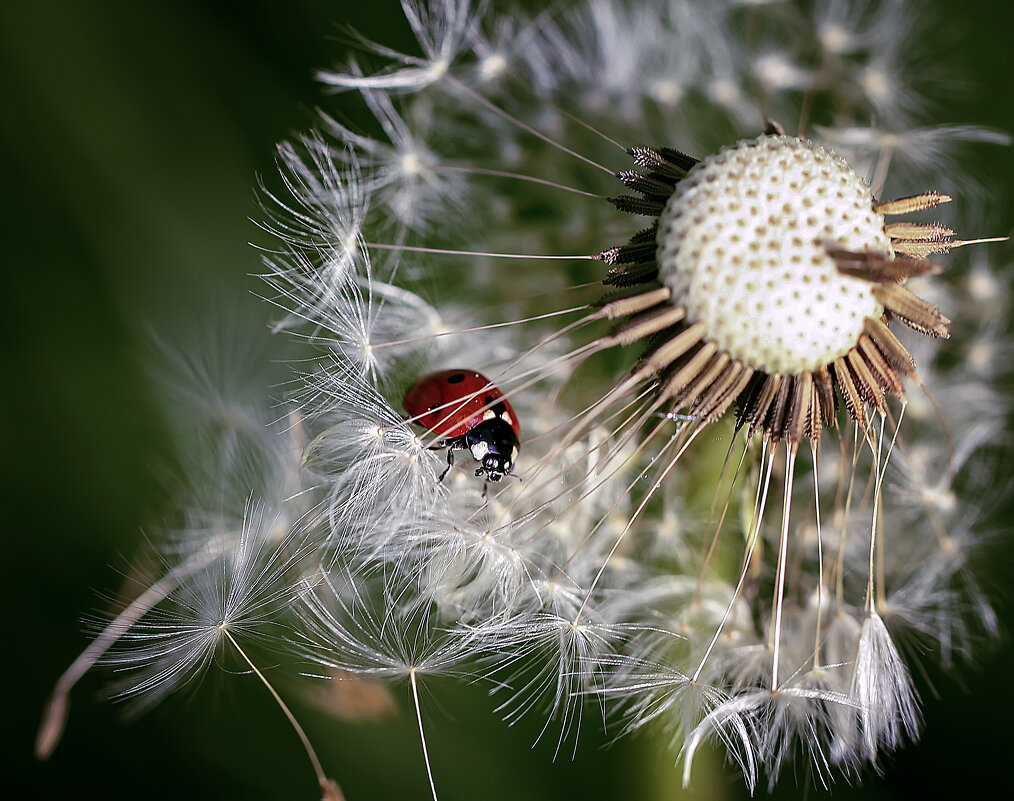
468 412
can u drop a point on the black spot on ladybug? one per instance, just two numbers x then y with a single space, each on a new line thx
457 378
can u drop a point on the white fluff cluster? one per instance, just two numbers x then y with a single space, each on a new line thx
640 561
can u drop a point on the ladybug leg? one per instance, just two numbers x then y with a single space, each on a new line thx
457 443
450 464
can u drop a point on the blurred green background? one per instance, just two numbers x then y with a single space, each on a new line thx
132 135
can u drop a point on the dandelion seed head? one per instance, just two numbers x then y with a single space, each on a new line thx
744 243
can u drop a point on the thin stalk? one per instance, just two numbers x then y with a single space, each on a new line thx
322 778
422 734
820 559
783 547
54 718
763 485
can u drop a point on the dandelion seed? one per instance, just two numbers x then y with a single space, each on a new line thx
442 30
241 582
343 635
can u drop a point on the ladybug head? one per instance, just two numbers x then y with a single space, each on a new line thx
494 445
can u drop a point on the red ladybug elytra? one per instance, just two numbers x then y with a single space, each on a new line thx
468 412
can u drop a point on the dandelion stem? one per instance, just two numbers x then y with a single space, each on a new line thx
881 470
600 468
422 733
820 557
713 545
747 558
840 561
870 606
453 252
580 418
438 334
586 125
604 477
951 447
805 108
55 716
520 177
637 513
880 176
527 128
783 547
322 778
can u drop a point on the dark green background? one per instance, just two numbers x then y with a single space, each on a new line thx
132 133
